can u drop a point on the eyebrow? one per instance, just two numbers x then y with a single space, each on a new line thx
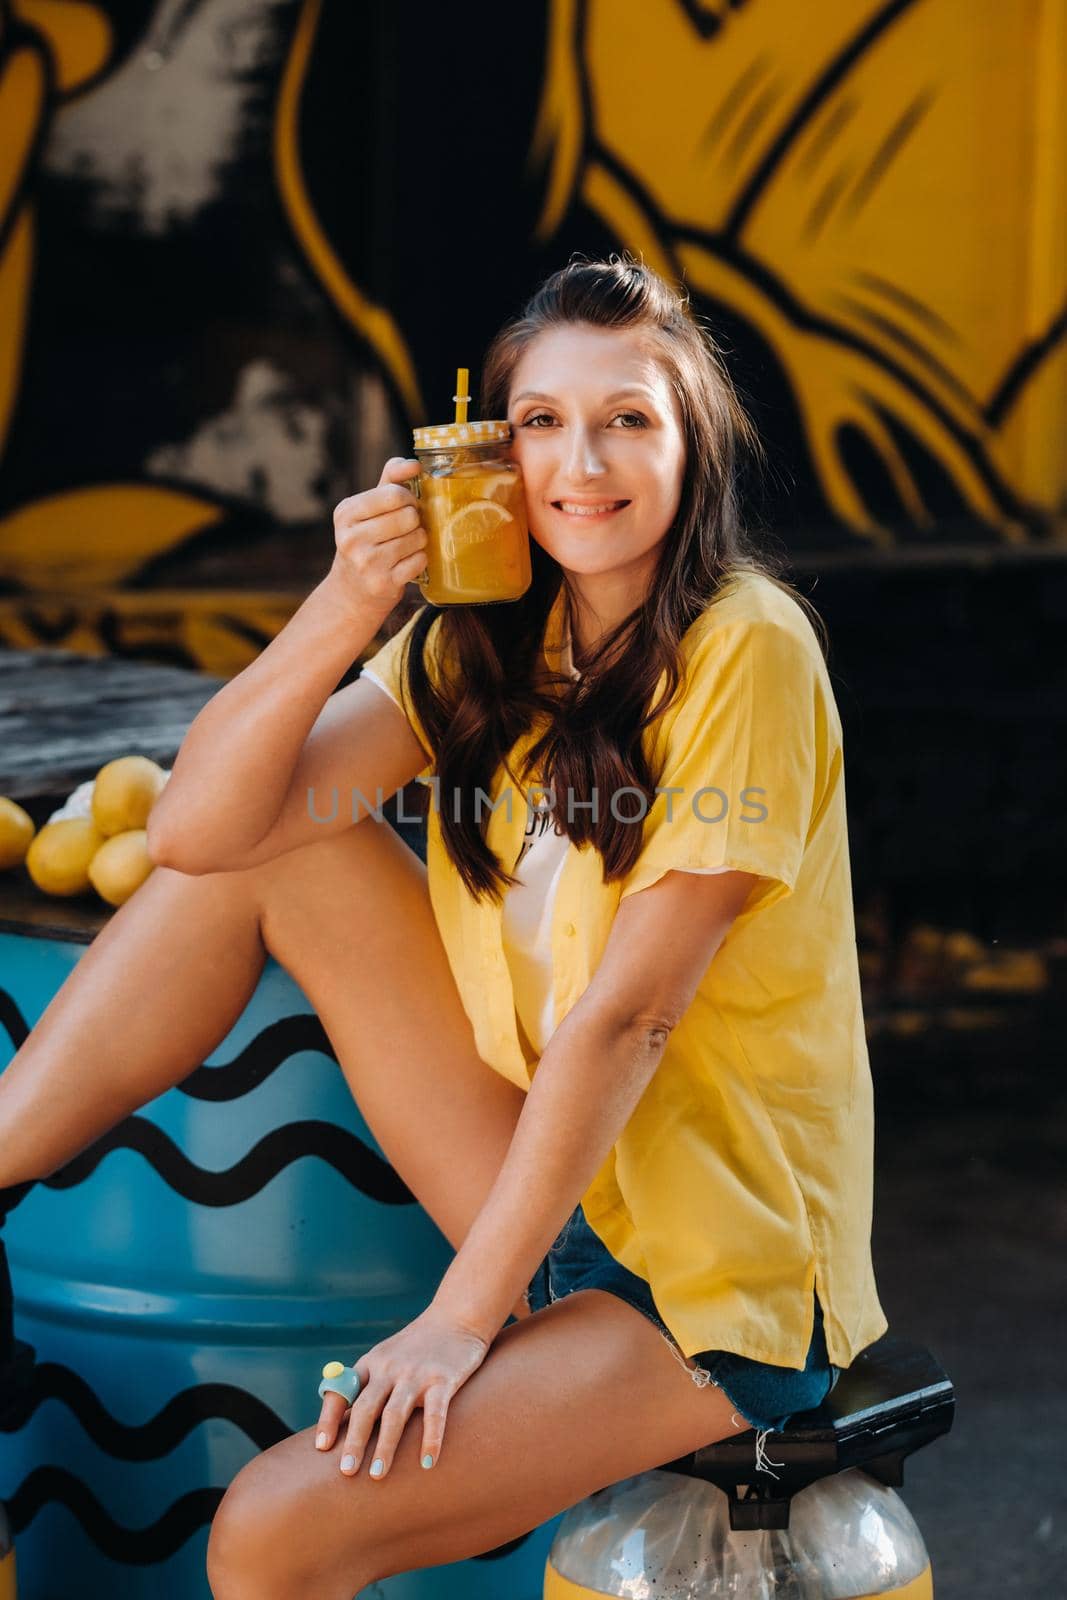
620 394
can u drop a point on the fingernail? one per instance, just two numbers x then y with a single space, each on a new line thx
427 1461
348 1463
377 1468
322 1441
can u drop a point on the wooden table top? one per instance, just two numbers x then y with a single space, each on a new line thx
62 717
26 910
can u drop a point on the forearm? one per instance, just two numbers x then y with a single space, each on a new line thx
236 762
585 1089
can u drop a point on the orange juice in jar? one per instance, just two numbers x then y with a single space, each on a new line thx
474 511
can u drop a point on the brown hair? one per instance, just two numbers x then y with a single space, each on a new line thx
489 697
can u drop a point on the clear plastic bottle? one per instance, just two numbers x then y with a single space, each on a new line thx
666 1536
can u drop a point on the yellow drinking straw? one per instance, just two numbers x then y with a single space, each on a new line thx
462 394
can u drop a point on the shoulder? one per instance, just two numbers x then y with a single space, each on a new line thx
752 619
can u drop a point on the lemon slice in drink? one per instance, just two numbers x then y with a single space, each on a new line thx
474 523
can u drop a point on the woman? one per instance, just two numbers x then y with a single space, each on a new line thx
622 1066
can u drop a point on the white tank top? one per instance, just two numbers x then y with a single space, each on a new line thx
526 925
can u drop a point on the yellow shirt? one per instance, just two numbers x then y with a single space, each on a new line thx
744 1177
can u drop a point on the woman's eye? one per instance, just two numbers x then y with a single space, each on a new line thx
631 420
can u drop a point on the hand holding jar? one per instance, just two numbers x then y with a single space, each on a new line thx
381 543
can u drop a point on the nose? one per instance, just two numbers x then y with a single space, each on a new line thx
583 458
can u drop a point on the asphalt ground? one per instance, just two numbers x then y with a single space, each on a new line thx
970 1243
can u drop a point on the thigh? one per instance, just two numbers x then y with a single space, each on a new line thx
350 919
764 1394
579 1396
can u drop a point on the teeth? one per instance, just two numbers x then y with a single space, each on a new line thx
589 511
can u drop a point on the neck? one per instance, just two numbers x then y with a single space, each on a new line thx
597 605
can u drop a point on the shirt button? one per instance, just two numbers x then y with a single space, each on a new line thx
569 929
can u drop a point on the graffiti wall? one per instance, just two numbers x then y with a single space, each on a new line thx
245 243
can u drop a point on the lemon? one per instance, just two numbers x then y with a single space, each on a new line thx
59 855
474 523
120 866
16 831
125 791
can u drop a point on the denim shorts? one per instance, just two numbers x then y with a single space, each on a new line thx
766 1396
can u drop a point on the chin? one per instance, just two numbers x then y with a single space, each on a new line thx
589 563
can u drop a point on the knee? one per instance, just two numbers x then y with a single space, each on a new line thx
264 1543
246 1552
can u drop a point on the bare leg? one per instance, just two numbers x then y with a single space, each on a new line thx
583 1394
350 919
163 983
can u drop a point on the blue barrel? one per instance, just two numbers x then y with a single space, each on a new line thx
183 1283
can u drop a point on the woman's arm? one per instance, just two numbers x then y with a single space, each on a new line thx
234 772
590 1078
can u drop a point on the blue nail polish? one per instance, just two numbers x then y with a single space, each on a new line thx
377 1468
427 1461
347 1463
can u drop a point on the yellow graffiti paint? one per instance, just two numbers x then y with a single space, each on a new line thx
557 138
372 322
22 93
220 631
98 535
78 35
16 268
874 187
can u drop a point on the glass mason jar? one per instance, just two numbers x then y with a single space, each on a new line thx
474 512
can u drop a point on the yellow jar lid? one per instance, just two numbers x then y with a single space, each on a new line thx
453 435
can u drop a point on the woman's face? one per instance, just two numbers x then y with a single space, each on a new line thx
597 432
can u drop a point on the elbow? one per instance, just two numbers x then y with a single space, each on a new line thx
167 843
648 1028
165 851
158 852
653 1029
182 864
165 857
614 1018
162 852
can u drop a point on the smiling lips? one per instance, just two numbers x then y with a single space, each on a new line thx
599 508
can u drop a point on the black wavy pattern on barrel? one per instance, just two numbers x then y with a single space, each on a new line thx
229 1080
252 1066
134 1546
12 1020
362 1167
147 1441
151 1440
261 1057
